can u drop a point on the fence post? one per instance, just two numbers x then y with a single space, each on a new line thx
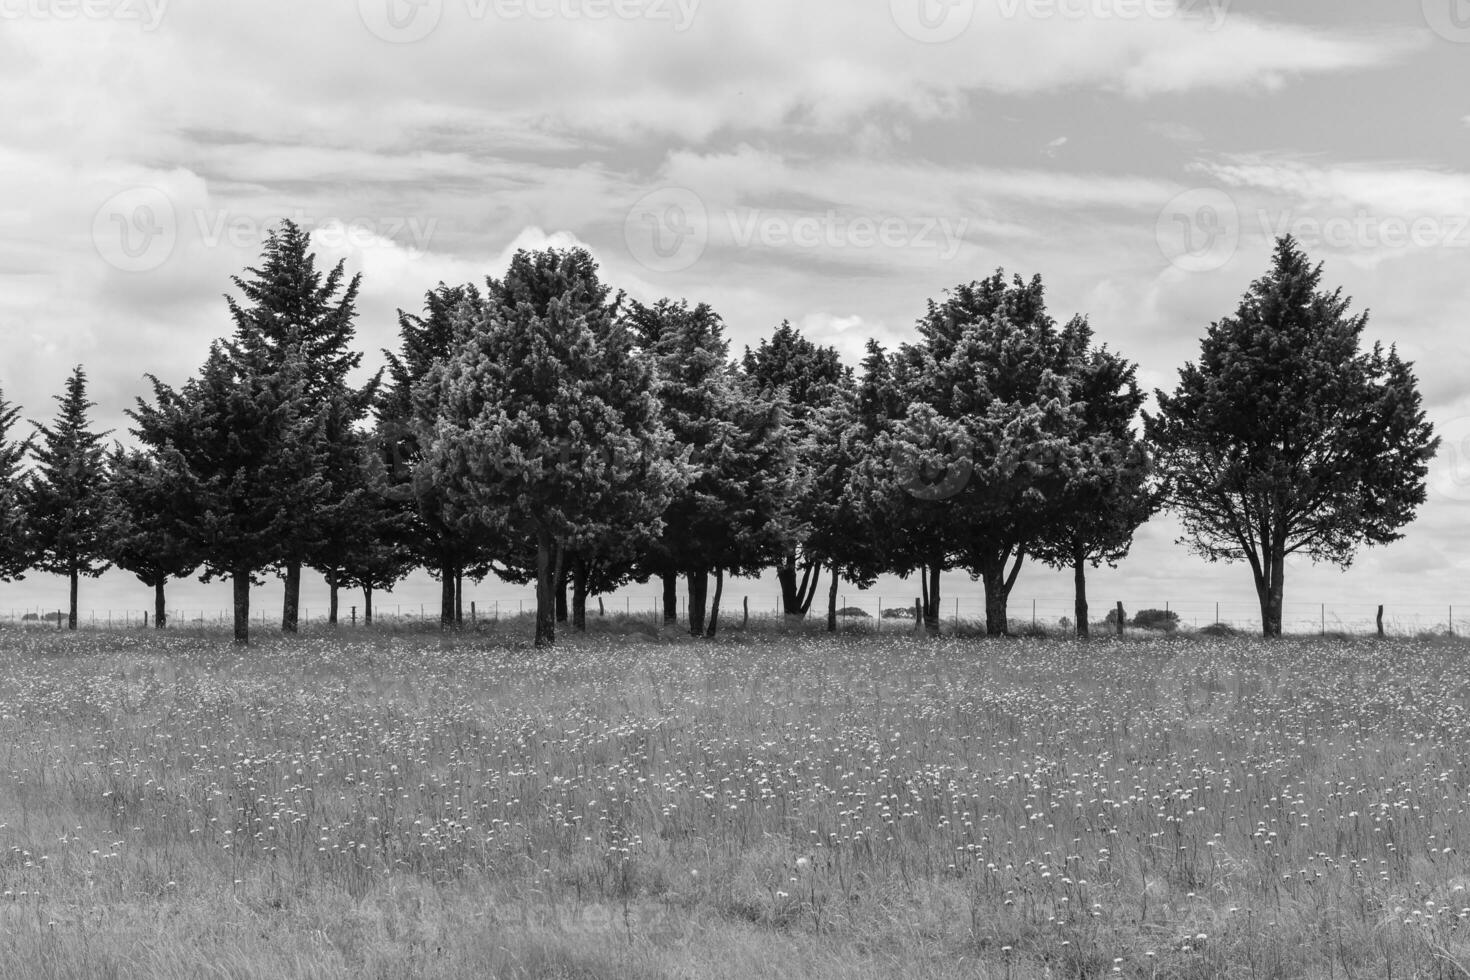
1217 614
145 619
1033 613
1380 622
1324 619
1120 618
918 615
745 617
354 615
472 612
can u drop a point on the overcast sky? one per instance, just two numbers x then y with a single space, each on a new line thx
831 162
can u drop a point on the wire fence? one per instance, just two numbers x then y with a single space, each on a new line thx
857 610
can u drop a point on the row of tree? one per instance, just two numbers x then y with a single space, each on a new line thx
544 428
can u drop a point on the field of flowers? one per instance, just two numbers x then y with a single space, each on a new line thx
408 805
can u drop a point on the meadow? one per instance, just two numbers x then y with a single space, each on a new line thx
400 803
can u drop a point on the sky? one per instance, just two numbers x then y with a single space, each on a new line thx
835 163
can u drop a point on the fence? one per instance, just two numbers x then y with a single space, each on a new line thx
857 609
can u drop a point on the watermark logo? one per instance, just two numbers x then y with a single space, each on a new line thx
1365 230
933 21
407 21
1450 476
1199 230
936 472
136 230
832 230
667 230
401 21
146 13
1450 19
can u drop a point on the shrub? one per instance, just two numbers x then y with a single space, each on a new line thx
1157 619
854 611
1219 629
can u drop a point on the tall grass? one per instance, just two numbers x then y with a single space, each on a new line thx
403 803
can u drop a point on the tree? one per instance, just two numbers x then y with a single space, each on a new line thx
407 408
296 311
67 503
810 378
378 558
143 533
15 546
1287 438
1110 494
971 473
244 437
734 512
548 433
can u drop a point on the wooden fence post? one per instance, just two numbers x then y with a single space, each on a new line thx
745 617
354 615
1120 618
1380 622
918 615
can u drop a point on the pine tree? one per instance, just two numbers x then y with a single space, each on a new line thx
293 310
16 553
1110 493
811 379
548 432
735 513
378 559
143 531
1287 438
67 504
408 407
244 437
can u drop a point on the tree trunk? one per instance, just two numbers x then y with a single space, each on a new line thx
71 619
931 600
579 594
367 605
671 598
998 584
698 587
714 608
1079 579
545 590
459 596
159 617
1271 592
332 597
242 605
996 599
797 594
562 613
832 602
447 574
291 605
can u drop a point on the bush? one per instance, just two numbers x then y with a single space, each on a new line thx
899 612
854 611
1112 619
1219 629
1157 619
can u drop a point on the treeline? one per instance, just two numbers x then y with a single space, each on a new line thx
544 428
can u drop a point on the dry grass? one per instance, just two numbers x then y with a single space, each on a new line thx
400 804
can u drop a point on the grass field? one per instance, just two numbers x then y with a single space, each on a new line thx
405 805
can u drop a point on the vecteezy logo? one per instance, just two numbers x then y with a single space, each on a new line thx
932 21
1450 19
1199 230
401 21
938 472
667 230
136 230
1450 475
